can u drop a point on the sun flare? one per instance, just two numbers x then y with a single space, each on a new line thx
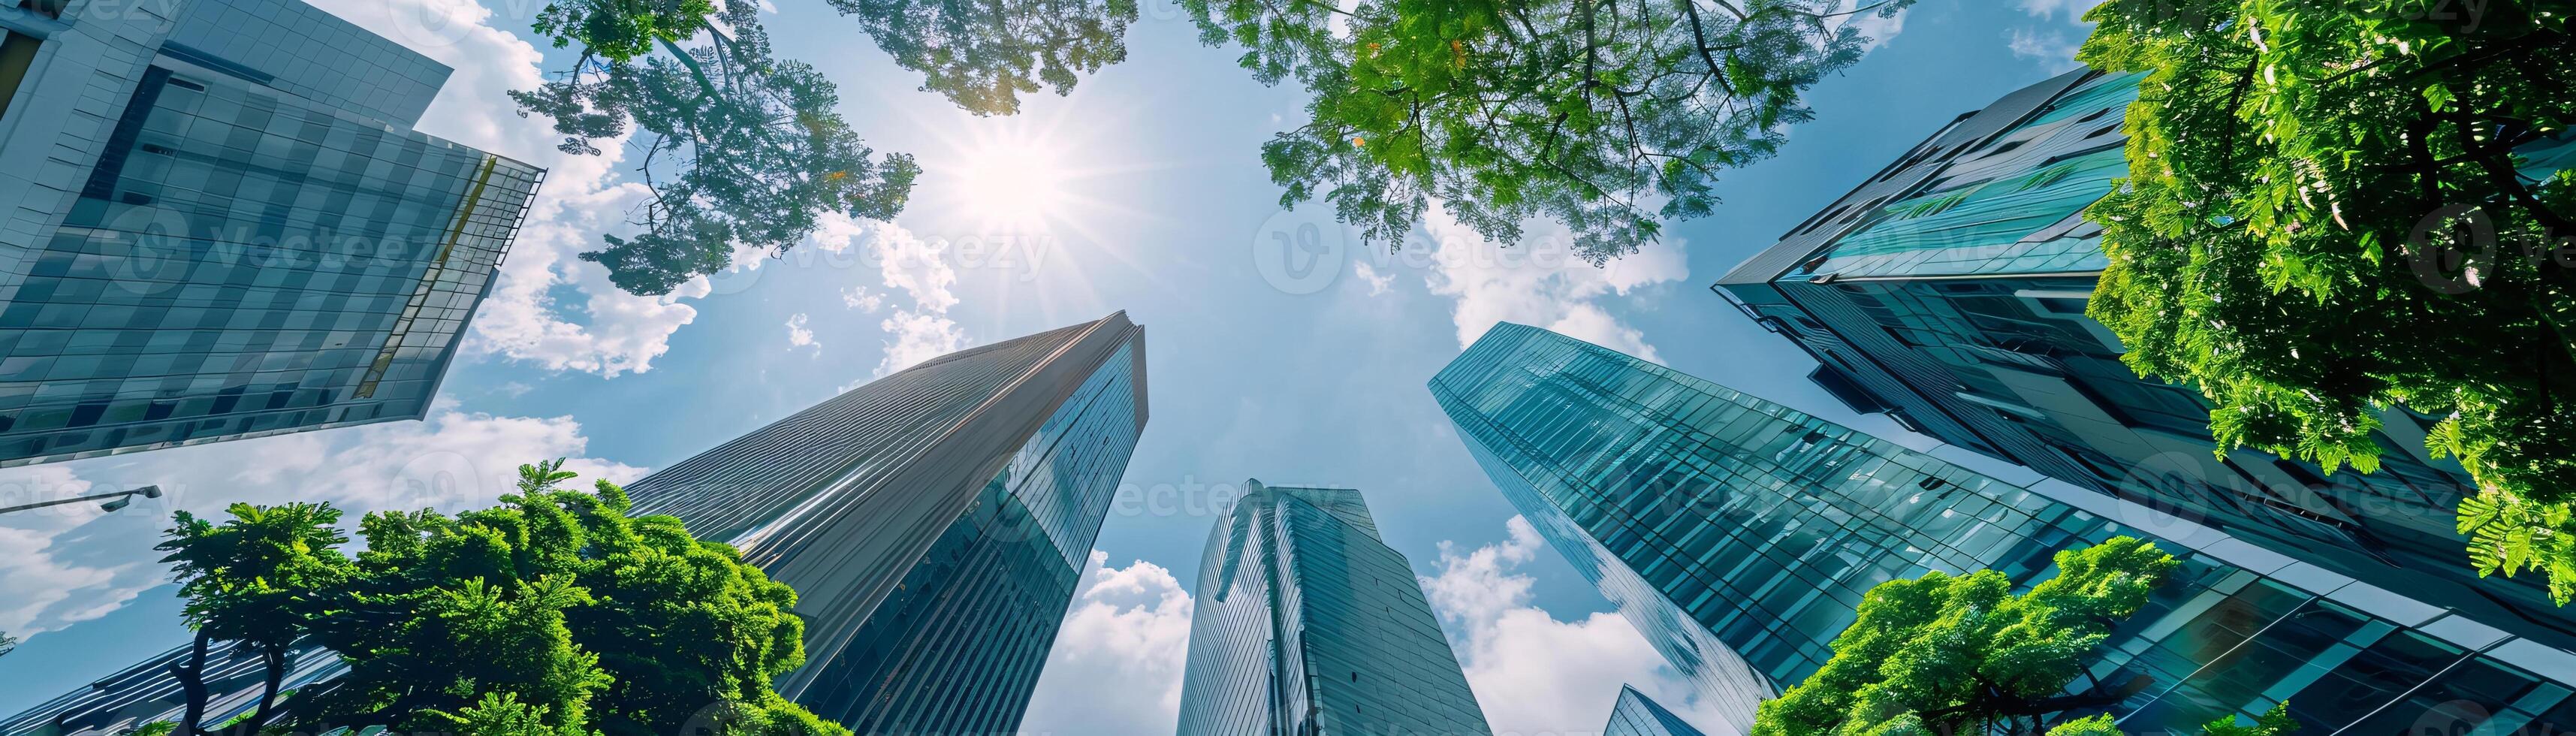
1012 180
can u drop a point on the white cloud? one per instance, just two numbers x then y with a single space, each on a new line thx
2052 49
1539 282
2072 10
1377 282
917 267
1117 663
547 306
1533 673
798 335
1878 30
65 564
859 298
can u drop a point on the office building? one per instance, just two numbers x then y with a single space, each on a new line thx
1306 623
1948 293
934 523
1740 535
217 222
1638 715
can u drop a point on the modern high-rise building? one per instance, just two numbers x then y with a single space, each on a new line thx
934 523
1307 624
1638 715
216 222
1948 293
1740 536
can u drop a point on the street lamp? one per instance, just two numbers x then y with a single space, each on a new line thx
114 501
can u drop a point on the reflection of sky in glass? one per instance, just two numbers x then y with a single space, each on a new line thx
1987 213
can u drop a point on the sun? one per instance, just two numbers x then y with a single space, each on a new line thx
1012 179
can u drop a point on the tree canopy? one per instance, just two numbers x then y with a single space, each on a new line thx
554 613
982 54
2333 211
739 149
1606 115
1946 654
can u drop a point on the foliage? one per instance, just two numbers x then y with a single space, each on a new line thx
2326 217
982 54
552 614
741 151
256 580
1603 115
1963 654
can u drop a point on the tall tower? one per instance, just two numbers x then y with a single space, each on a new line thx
1637 715
1308 625
1740 535
216 222
933 522
1948 293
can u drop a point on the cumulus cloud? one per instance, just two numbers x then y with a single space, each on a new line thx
2071 10
1117 663
1377 282
2052 49
1532 672
1878 30
547 307
859 298
798 335
66 564
920 269
1539 282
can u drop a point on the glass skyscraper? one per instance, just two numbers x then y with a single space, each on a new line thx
1307 624
222 225
1948 292
1638 715
933 522
1740 535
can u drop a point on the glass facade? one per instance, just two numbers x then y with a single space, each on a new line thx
1307 624
1637 715
1949 290
252 253
1762 527
934 523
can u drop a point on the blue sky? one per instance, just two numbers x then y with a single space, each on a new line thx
1151 200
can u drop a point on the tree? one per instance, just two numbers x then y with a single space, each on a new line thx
256 581
2329 213
741 151
1963 654
553 614
1604 114
982 54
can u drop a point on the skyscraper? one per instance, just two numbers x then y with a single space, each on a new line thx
1740 535
1948 292
1308 625
1637 715
934 523
216 222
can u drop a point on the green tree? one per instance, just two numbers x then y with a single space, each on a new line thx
1947 654
1605 115
982 54
740 149
2326 217
256 581
553 613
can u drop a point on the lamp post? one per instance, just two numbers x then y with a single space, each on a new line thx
114 501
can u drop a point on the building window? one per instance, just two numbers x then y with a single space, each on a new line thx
47 8
17 52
